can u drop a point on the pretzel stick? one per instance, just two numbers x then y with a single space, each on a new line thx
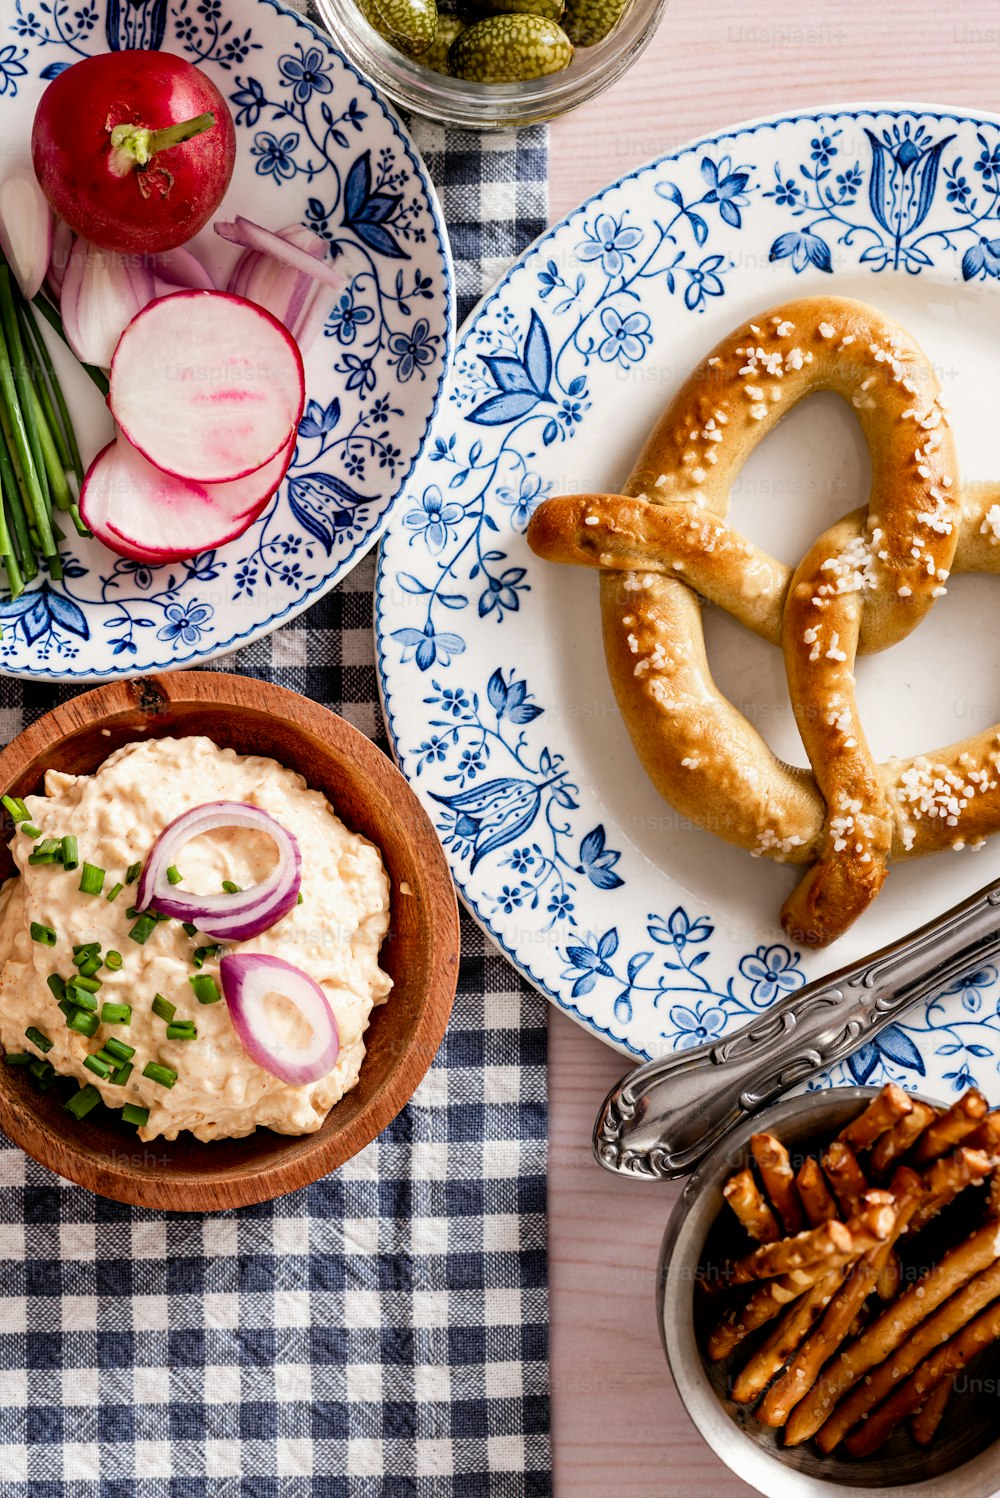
773 1354
778 1179
803 1371
966 1279
924 1425
770 1298
888 1282
987 1136
815 1195
993 1200
942 1364
845 1175
751 1207
830 1242
890 1149
961 1119
946 1178
882 1113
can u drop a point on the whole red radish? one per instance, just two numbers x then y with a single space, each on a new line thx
134 150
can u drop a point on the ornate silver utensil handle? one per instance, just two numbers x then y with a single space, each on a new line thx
666 1115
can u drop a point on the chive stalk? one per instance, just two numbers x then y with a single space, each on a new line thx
143 928
163 1009
206 990
114 891
42 1042
116 1014
113 960
44 935
71 852
164 1075
131 1114
81 1103
91 879
182 1029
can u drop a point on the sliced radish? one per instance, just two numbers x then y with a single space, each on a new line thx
139 511
208 386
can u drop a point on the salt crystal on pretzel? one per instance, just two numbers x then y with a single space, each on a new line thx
751 1207
814 1193
890 1149
778 1179
882 1113
962 1118
840 1165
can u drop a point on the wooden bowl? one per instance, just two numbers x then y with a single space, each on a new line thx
420 952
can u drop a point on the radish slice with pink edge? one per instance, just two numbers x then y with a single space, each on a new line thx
208 386
249 980
138 510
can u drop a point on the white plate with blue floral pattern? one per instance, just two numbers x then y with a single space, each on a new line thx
315 145
651 932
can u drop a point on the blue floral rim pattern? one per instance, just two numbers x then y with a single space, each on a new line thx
884 191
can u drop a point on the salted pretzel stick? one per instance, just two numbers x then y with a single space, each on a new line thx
993 1200
773 1354
909 1191
778 1179
924 1425
946 1178
942 1364
845 1175
831 1241
771 1297
882 1113
888 1282
751 1207
963 1282
961 1119
890 1149
814 1194
987 1136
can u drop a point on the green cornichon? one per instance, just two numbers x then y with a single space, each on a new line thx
510 49
590 21
475 10
410 25
436 56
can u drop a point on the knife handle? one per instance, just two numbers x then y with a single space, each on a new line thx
663 1117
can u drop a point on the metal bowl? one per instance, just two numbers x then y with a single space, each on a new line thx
964 1459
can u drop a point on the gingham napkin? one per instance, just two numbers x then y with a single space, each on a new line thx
381 1333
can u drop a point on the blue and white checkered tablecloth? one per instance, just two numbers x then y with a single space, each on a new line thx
383 1333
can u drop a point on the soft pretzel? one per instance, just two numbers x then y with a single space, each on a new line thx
665 543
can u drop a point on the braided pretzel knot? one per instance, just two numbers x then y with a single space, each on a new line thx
863 585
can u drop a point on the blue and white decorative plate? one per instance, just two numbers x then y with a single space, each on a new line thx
315 145
653 933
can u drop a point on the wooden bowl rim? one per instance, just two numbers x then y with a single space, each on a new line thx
316 1155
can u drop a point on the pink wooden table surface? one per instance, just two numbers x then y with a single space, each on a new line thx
618 1426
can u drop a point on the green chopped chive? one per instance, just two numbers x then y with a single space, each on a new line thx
70 852
206 990
18 1058
113 960
87 982
165 1075
123 1073
133 872
203 954
184 1029
44 935
131 912
143 928
174 875
163 1009
19 812
190 928
81 1103
119 1050
38 1039
91 967
100 1068
83 1023
79 998
231 888
133 1115
43 1072
299 900
114 891
68 1008
85 949
116 1014
30 830
91 879
57 985
49 850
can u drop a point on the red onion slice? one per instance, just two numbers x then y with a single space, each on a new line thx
26 226
225 917
251 236
247 979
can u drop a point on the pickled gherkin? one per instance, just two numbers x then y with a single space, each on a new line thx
510 49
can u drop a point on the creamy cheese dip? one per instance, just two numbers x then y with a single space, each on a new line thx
334 935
